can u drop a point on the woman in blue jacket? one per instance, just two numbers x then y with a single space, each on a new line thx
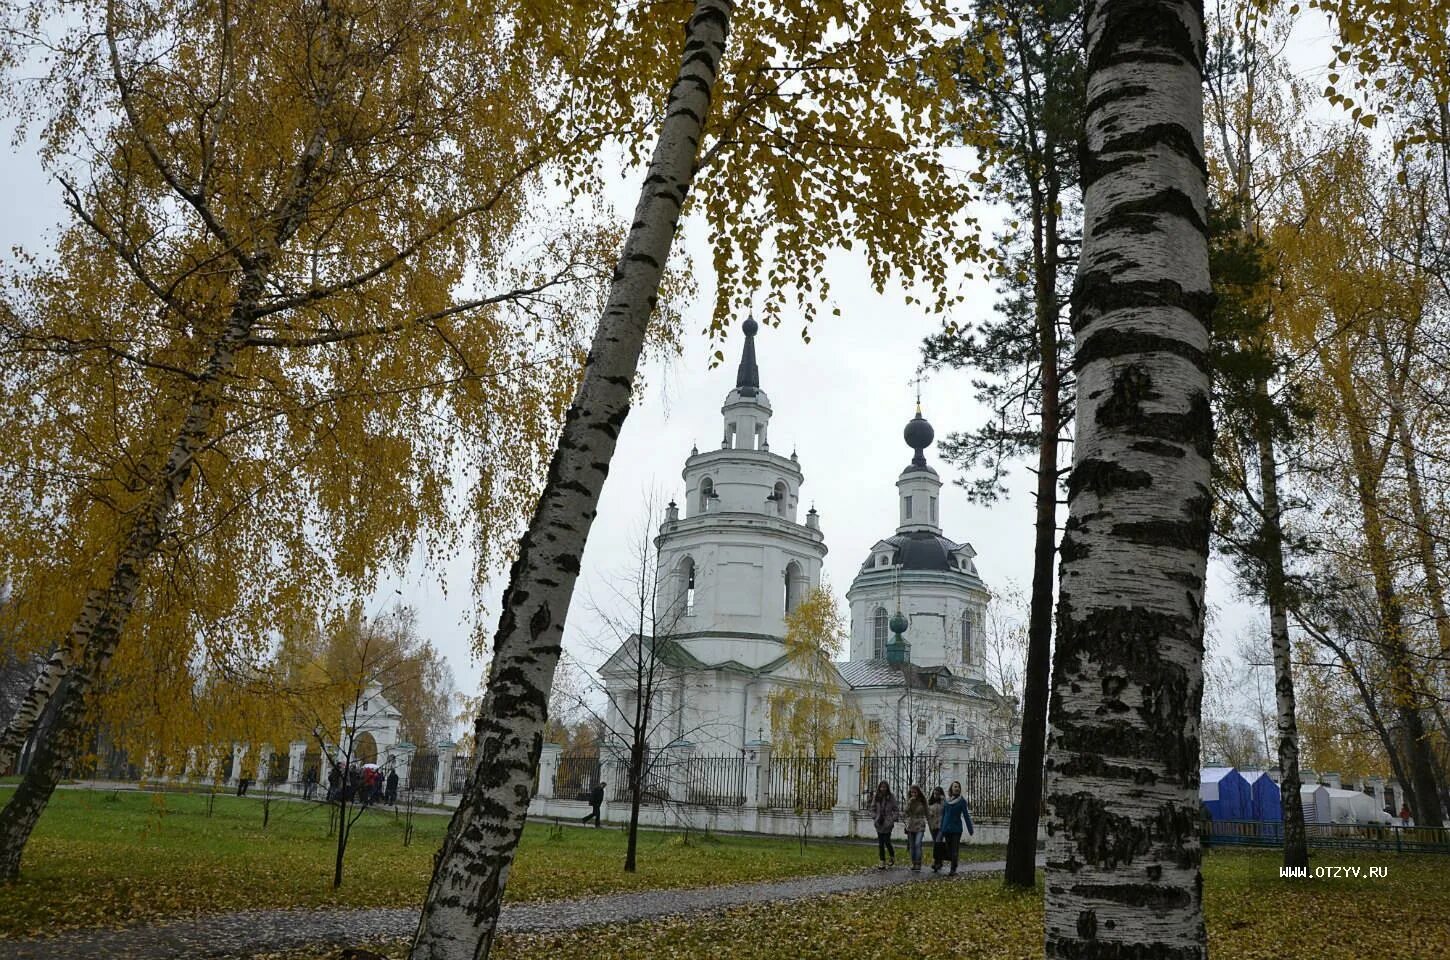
955 817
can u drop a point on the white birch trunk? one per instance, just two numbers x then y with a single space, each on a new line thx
461 910
1296 844
97 629
12 741
1123 851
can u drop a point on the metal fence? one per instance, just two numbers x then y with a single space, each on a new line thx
576 775
900 770
802 783
423 771
715 781
1344 836
458 774
654 785
988 787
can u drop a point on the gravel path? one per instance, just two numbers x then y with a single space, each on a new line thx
253 931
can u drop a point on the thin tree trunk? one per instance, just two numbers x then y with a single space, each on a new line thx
1123 850
636 788
98 627
460 913
1403 686
1021 867
1296 848
18 730
1415 496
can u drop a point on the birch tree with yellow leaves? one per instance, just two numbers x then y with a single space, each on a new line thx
308 316
807 719
1361 312
794 128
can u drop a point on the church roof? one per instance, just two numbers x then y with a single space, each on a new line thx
860 674
920 550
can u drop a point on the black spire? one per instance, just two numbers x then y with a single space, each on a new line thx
747 378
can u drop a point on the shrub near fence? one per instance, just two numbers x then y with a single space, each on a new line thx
802 783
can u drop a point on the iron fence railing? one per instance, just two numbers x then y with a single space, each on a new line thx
458 773
801 783
715 781
654 781
576 775
900 770
1349 836
988 787
423 771
277 769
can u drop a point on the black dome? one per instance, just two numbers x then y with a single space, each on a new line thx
918 436
920 550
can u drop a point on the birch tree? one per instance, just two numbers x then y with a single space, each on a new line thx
1122 852
283 295
1260 410
828 129
807 719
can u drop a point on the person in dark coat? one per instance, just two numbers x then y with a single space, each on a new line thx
955 817
596 800
334 783
933 820
392 795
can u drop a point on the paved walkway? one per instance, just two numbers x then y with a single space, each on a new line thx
254 931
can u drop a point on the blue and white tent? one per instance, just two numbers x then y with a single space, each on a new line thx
1225 793
1266 803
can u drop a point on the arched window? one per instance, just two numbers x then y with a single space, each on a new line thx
780 496
878 634
707 490
686 602
967 637
794 579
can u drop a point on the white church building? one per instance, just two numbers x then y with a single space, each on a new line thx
739 555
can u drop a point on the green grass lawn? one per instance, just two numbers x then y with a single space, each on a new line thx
106 859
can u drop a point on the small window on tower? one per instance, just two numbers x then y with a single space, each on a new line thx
905 509
878 634
920 727
933 509
758 431
966 638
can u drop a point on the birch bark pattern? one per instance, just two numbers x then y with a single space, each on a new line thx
1296 844
1122 850
12 741
460 913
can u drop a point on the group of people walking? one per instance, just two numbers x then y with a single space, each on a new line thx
361 784
944 813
